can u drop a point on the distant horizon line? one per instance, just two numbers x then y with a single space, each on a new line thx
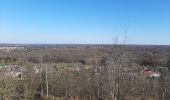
82 44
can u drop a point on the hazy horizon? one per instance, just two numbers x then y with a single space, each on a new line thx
146 22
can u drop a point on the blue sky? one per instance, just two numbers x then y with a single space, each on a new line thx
85 21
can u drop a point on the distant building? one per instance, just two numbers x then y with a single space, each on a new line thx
72 69
151 74
88 67
13 71
8 49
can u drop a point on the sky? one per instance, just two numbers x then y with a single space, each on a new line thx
85 21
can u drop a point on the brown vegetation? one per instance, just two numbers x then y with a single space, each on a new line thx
116 73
